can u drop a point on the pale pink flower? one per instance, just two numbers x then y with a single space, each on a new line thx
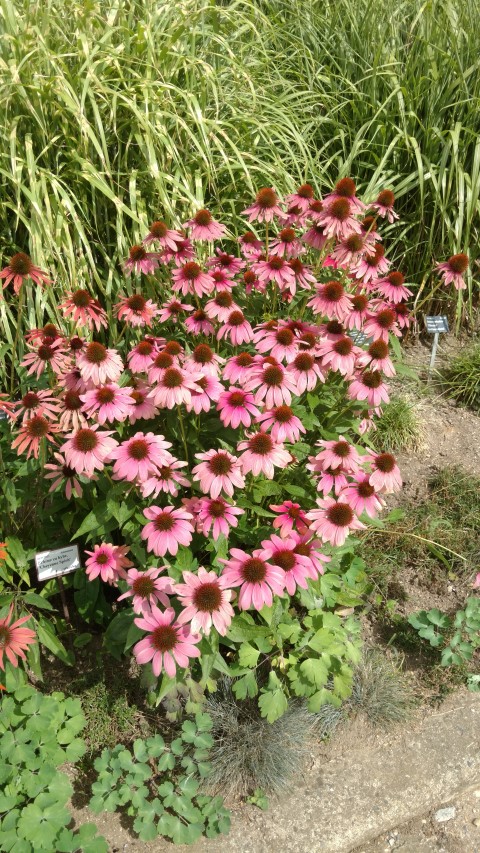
306 372
107 561
339 355
286 244
228 264
51 354
261 454
274 385
175 387
99 364
172 310
184 251
290 514
304 277
218 515
334 520
380 323
107 403
221 306
146 589
49 330
338 453
190 279
453 270
359 312
167 644
141 357
8 407
71 415
274 269
236 407
302 198
257 579
362 497
250 245
167 528
72 381
345 189
210 390
204 360
160 233
62 474
237 368
310 548
331 300
139 456
285 426
266 206
136 310
236 328
139 260
403 315
36 403
337 219
206 602
14 641
199 324
351 250
392 287
87 450
20 268
315 237
221 278
384 205
143 404
251 282
204 227
162 361
218 471
372 265
329 479
281 342
385 476
377 358
31 433
296 567
368 385
84 309
476 582
167 479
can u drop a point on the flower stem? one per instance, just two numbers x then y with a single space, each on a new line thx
182 430
17 334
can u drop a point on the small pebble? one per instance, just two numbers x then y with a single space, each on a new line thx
445 814
476 822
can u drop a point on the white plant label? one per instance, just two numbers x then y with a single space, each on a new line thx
61 561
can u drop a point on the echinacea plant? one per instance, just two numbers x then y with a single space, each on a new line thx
213 426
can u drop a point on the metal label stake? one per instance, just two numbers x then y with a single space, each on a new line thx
435 326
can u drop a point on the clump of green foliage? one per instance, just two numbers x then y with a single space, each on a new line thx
457 637
398 428
460 379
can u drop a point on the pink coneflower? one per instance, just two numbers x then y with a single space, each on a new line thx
184 251
136 310
167 528
362 497
276 269
216 513
280 342
331 300
206 602
221 306
160 233
290 515
48 331
334 520
237 368
453 270
218 471
139 260
337 219
14 641
146 589
143 404
250 245
51 354
257 579
175 387
392 287
345 189
30 434
168 643
351 250
306 372
221 279
329 479
72 381
75 344
303 274
285 426
274 385
8 407
83 309
236 328
333 330
384 205
210 391
107 403
368 385
190 278
199 324
173 310
262 454
228 264
301 199
139 456
372 265
310 548
167 479
108 562
377 358
236 407
315 237
203 359
204 227
339 355
266 206
36 403
403 315
359 312
338 453
380 323
385 476
62 474
369 228
99 364
19 269
296 567
161 362
141 357
87 450
286 244
71 416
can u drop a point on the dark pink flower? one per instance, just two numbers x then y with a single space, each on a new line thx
168 644
20 268
257 579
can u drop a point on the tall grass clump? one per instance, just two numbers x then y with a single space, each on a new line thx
461 378
398 429
113 109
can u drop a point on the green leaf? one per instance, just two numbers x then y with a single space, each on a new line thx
248 655
115 636
245 686
315 671
37 601
273 702
47 637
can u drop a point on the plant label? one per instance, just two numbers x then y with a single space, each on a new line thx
53 564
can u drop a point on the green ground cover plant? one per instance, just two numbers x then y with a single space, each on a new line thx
460 379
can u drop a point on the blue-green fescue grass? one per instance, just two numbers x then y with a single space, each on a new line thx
117 113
